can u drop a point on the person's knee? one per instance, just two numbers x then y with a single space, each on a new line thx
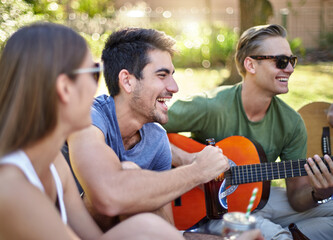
149 219
156 226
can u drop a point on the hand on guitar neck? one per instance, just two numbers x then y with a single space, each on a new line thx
320 175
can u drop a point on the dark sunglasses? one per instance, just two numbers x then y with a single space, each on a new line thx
280 60
95 71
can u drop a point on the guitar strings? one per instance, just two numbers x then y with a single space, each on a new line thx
267 171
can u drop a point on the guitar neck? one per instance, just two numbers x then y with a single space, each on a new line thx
265 172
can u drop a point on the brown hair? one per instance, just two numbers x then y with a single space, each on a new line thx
30 63
128 49
251 40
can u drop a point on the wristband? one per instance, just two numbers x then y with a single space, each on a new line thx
319 201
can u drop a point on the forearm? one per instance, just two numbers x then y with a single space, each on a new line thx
133 191
165 212
180 157
113 190
301 199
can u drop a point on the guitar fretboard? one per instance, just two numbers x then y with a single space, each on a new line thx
265 172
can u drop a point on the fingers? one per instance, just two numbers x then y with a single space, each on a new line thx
227 167
320 174
329 162
328 170
212 163
126 165
219 149
225 159
317 179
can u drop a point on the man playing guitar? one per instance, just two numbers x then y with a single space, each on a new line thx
253 110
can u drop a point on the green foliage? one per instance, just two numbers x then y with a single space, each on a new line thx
50 9
200 45
17 13
56 11
309 83
96 44
297 47
13 15
93 7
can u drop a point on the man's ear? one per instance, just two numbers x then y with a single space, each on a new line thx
64 87
249 65
126 81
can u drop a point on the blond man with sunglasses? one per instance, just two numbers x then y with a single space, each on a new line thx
252 109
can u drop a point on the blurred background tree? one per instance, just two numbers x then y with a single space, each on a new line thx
252 13
13 15
203 39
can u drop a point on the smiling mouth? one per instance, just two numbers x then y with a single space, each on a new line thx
283 79
163 100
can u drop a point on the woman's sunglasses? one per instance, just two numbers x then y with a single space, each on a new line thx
95 71
280 60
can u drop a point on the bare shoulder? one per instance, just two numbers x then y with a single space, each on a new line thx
15 190
14 187
27 212
11 180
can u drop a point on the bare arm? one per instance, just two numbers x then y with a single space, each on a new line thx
181 157
115 191
299 193
29 213
78 217
166 211
299 190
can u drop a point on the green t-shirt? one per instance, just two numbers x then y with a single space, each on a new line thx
219 114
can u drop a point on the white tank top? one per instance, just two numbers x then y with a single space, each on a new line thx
21 160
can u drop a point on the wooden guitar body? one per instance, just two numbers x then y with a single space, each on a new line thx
241 151
315 118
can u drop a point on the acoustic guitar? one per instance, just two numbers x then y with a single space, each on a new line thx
249 169
242 151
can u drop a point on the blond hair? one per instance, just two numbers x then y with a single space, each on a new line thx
251 41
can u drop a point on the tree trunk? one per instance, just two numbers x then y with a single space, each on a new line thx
252 13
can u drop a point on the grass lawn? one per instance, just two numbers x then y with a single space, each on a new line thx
308 83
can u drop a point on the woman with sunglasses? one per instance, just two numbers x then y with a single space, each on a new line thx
47 85
253 110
